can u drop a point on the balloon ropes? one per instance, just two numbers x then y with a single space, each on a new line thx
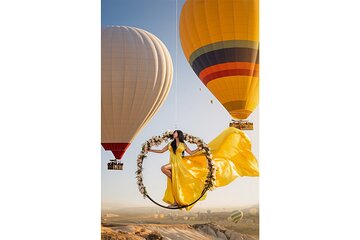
220 40
136 76
156 141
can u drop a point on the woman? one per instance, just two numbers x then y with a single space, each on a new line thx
177 144
231 152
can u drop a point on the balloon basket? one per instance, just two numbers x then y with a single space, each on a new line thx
242 125
114 164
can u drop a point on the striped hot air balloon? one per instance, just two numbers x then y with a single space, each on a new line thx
136 75
220 39
236 216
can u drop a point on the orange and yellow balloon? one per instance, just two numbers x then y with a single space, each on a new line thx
136 75
220 39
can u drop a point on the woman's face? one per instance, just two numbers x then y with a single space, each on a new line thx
175 134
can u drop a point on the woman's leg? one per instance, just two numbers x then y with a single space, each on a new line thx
166 169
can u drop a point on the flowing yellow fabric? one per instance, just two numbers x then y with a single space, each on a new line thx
232 154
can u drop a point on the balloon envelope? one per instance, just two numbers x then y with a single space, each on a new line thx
220 39
236 216
136 75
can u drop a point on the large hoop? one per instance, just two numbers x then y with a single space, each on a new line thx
156 141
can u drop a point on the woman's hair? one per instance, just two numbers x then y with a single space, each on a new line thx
181 139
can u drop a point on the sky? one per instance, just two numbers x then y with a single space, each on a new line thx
187 107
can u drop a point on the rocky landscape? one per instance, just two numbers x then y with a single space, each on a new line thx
173 232
153 224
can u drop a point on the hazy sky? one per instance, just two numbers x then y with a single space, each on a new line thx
193 113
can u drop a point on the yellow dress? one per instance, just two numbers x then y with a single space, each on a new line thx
232 154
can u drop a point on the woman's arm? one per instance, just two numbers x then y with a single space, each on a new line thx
159 151
189 151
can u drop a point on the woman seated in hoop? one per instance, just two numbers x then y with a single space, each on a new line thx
232 155
177 148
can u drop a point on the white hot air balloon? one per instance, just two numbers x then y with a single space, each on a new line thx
136 75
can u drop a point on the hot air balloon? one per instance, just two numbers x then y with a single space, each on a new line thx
136 75
220 40
236 216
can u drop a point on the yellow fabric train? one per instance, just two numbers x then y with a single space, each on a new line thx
232 154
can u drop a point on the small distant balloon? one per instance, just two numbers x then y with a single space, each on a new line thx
211 101
236 216
254 211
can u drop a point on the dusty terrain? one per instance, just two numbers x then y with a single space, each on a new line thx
155 223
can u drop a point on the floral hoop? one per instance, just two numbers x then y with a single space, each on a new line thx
156 141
